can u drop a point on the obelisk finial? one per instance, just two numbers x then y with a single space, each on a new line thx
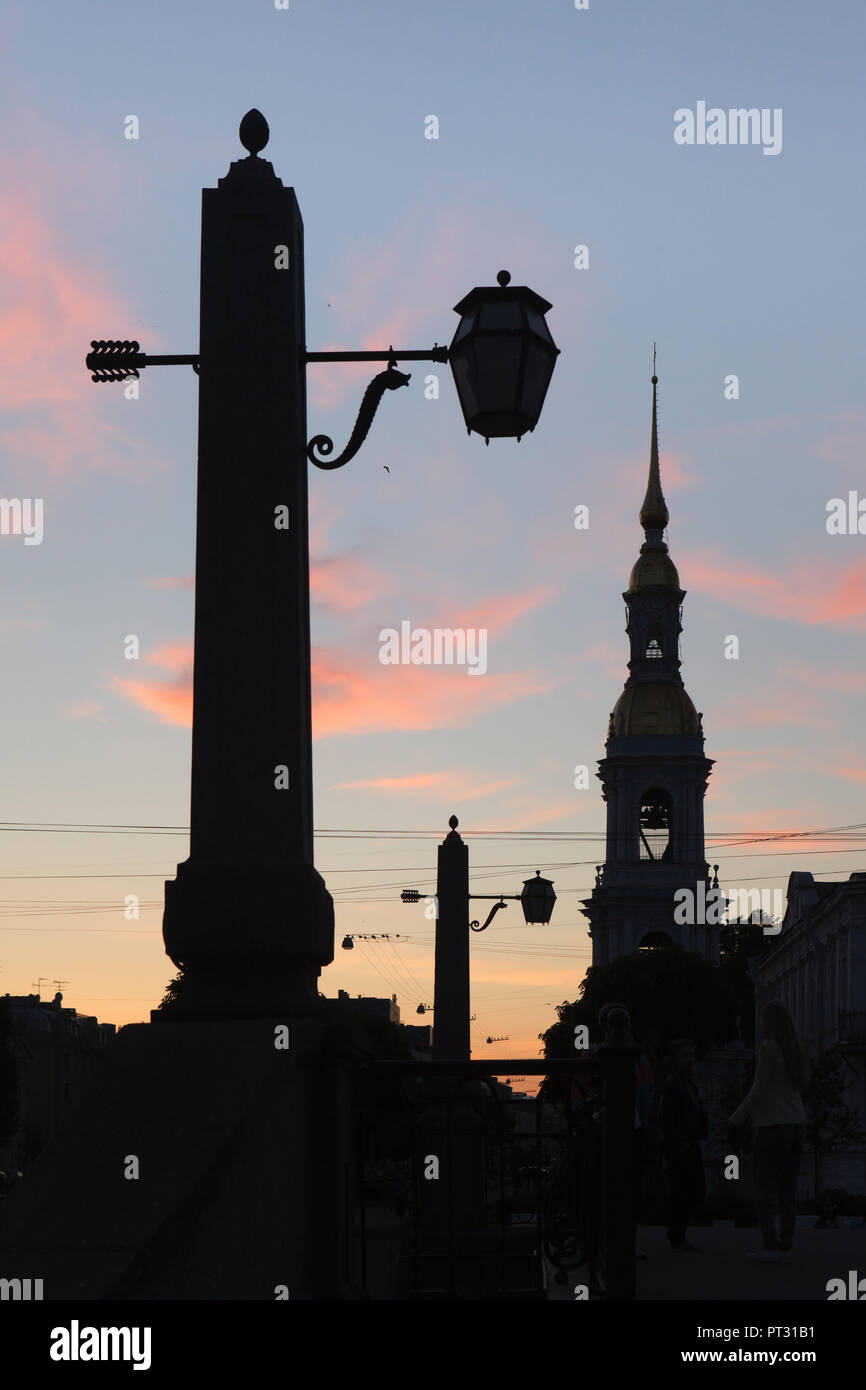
254 132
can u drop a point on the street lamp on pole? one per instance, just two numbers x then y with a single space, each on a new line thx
502 356
248 917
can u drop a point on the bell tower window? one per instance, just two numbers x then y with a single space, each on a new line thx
654 825
654 649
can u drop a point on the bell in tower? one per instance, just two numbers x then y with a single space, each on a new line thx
656 811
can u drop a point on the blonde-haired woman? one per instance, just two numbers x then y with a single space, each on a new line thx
775 1105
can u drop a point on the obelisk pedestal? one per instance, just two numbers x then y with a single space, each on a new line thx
213 1159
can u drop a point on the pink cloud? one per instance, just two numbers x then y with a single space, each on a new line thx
767 709
169 700
613 659
813 594
772 820
345 583
341 583
183 581
532 815
845 442
355 696
399 290
845 682
51 304
357 693
85 709
499 611
459 785
631 473
175 656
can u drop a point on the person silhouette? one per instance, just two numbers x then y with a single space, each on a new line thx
683 1124
775 1106
615 1019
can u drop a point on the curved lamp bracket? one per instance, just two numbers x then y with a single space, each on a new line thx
491 914
388 380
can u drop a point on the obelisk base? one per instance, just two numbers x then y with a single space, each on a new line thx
208 1162
235 931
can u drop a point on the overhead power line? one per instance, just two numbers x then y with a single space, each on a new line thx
528 836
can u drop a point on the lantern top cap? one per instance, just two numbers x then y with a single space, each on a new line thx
254 132
504 290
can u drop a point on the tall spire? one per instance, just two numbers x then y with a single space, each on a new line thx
654 513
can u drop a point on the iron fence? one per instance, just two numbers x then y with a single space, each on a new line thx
465 1191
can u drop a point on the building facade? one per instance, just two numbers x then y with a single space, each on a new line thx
816 966
418 1037
58 1051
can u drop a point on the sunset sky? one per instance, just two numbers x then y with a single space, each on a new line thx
555 130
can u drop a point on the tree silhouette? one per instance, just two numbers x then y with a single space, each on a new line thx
831 1125
669 993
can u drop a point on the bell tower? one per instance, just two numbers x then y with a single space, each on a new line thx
654 772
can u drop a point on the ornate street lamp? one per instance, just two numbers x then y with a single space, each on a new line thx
537 900
502 357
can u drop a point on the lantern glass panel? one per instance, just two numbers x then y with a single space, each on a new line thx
500 316
463 368
536 379
538 324
499 374
463 327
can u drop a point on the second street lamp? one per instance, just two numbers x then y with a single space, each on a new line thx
537 901
452 993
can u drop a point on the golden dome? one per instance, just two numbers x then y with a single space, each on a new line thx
654 566
654 707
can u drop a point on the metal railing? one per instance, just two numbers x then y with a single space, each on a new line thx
467 1192
852 1026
